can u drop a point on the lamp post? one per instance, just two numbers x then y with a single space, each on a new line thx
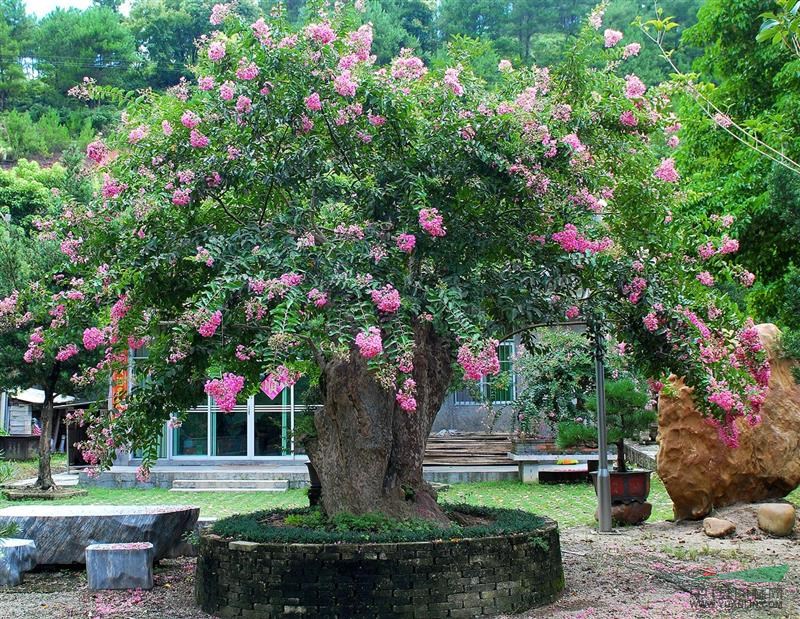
603 477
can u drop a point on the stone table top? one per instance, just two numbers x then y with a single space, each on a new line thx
65 511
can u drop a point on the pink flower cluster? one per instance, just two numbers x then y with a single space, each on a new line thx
451 80
571 241
225 390
203 255
405 395
209 326
218 14
632 49
92 338
612 37
321 33
226 90
313 102
247 70
406 242
386 299
408 67
97 151
572 312
666 171
65 352
197 139
216 51
650 321
484 363
344 84
189 119
432 222
261 31
628 119
705 278
634 87
35 341
317 297
635 289
369 342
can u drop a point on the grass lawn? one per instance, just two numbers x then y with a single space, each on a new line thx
569 504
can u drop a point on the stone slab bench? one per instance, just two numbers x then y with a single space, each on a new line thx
120 566
62 532
16 556
529 464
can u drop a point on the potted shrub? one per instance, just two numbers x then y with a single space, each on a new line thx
553 376
626 415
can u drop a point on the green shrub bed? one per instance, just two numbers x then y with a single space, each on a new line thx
310 526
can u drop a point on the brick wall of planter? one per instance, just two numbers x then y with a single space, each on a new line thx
465 578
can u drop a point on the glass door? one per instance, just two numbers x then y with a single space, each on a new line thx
272 425
229 431
191 438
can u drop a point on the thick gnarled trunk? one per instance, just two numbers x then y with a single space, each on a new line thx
368 451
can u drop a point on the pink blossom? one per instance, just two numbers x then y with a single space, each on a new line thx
628 119
233 153
137 135
505 66
166 128
197 139
484 363
405 396
369 342
209 327
432 222
406 242
318 298
120 309
722 120
562 112
574 142
344 84
261 31
632 49
216 51
572 312
526 100
242 353
247 70
673 141
451 80
321 33
214 179
226 91
571 241
111 187
225 390
596 17
666 171
634 87
65 352
650 322
205 82
729 246
182 197
746 278
92 338
185 177
612 37
407 67
376 120
203 255
243 104
218 14
189 119
386 299
97 151
313 102
306 124
706 250
705 278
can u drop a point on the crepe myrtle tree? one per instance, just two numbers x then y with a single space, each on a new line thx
298 209
44 337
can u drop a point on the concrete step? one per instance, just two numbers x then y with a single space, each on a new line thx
230 485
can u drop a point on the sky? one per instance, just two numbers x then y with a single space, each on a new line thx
40 8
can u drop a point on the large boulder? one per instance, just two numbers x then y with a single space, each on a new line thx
62 532
701 473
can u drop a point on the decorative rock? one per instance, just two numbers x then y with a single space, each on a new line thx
776 518
120 566
629 513
701 473
62 532
718 527
16 556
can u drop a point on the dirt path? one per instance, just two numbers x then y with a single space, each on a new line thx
634 574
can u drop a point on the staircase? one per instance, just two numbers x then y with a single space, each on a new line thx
229 485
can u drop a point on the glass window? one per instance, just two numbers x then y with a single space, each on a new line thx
272 425
483 390
191 438
230 432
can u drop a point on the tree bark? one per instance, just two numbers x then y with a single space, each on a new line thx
368 451
44 481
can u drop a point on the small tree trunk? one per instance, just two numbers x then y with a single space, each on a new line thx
621 455
44 481
368 451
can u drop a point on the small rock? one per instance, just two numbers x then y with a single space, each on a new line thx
776 518
16 556
718 527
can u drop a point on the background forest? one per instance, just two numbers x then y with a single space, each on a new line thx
714 43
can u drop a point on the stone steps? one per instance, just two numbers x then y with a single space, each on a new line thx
230 485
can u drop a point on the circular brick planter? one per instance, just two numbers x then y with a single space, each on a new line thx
479 576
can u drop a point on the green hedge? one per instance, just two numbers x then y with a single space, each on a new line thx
250 527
